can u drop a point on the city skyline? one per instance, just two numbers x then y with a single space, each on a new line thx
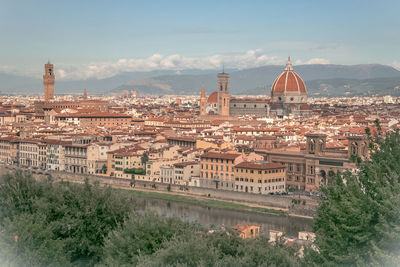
103 40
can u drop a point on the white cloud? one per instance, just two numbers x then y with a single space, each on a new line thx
176 62
396 65
315 60
7 69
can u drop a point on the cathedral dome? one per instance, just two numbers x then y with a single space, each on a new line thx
288 82
213 98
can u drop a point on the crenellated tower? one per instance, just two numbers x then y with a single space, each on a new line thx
48 81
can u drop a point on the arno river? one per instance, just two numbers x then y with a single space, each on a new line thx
207 216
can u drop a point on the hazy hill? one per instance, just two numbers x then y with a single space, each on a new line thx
259 80
320 80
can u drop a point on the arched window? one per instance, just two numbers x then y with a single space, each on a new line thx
354 148
321 145
312 146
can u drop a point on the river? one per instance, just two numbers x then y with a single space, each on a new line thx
208 216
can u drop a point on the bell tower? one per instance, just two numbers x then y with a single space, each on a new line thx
223 94
203 102
48 81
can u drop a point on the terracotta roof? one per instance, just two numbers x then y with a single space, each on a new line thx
288 81
213 98
259 166
187 163
182 138
242 226
216 155
94 115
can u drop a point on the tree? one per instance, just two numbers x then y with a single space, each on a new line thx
141 235
145 158
56 223
104 169
358 222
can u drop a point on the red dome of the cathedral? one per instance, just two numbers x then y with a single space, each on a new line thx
213 98
288 82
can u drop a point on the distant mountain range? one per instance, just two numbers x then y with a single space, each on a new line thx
321 80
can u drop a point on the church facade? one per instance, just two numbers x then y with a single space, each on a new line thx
288 96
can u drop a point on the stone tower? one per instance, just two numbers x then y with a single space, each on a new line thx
358 146
84 95
48 81
223 94
203 102
316 143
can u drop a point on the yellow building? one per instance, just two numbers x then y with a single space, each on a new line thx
217 170
122 159
205 145
246 230
260 178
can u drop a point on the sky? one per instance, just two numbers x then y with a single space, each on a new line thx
100 39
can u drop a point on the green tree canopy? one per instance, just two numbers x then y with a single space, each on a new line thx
358 223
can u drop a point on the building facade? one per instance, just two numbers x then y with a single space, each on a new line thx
289 94
48 81
309 169
217 170
260 178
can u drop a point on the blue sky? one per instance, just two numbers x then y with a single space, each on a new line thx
103 38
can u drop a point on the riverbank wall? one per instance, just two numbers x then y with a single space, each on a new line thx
302 206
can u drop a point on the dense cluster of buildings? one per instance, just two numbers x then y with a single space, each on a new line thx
253 145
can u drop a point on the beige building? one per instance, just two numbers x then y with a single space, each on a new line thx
29 153
216 170
260 178
186 173
246 230
9 150
97 158
55 155
92 120
308 169
121 159
76 158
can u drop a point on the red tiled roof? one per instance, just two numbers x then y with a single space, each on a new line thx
213 98
259 166
288 81
216 155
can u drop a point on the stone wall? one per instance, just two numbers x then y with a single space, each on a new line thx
275 201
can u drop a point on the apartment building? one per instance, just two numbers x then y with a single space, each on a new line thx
260 178
76 158
55 155
309 169
217 170
186 173
29 153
